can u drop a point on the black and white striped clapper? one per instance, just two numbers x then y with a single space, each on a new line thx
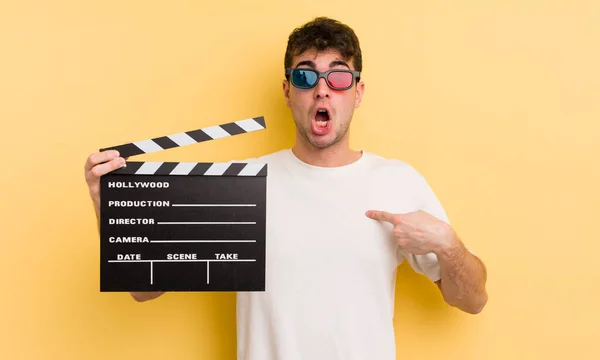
184 226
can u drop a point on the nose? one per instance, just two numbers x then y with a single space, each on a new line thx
321 89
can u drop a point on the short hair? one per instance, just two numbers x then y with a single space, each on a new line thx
323 33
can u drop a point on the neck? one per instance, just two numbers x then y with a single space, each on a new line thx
339 154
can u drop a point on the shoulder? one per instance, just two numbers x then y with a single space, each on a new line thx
398 178
393 168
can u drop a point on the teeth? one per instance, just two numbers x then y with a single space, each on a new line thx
322 111
321 123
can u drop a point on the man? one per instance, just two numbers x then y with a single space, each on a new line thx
339 222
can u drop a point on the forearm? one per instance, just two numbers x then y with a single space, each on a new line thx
463 278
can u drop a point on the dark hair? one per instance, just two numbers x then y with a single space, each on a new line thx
323 33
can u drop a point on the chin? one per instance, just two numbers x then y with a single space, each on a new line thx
320 141
323 142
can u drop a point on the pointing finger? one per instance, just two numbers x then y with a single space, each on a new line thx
382 216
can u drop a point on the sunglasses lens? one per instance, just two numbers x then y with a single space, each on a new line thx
304 78
340 79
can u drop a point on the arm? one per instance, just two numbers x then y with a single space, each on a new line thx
463 276
97 165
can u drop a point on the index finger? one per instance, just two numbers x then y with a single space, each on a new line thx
381 215
100 157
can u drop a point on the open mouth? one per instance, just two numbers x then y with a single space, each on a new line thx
322 117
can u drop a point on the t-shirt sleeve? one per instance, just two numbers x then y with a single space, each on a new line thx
427 264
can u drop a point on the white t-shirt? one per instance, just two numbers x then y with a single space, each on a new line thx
330 270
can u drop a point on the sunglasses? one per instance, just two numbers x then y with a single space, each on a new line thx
335 79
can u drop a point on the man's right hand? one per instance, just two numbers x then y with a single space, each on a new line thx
99 164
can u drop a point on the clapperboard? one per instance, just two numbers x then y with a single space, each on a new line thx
184 226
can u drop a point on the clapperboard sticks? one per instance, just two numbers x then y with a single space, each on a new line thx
131 228
190 137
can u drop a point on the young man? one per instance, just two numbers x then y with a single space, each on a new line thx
339 222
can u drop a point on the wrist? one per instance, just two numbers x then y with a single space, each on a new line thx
449 245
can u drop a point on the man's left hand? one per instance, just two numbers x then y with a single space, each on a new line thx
418 232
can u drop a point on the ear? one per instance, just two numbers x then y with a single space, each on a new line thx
286 92
360 90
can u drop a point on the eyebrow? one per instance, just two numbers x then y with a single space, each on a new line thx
331 64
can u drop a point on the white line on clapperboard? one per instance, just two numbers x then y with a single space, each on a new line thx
202 241
208 261
209 222
228 205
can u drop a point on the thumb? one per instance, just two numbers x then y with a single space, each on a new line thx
381 215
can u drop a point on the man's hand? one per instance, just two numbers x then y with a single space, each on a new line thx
462 275
99 164
418 232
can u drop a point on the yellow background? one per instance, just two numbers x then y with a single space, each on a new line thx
496 102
